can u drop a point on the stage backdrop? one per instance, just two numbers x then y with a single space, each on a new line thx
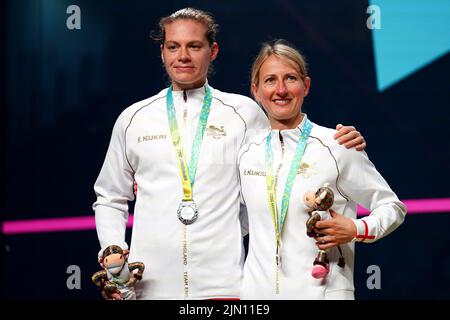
68 69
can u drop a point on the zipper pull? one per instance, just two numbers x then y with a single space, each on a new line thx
277 272
184 95
278 258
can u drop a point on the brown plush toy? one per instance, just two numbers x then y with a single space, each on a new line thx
117 276
318 204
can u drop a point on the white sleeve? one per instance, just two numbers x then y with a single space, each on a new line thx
362 183
114 188
256 121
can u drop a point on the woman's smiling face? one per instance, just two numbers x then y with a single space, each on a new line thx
281 90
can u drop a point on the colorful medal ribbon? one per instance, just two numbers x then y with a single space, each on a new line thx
271 192
188 173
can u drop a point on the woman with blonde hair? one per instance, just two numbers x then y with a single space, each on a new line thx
282 165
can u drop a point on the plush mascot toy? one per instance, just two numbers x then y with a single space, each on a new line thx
318 204
118 276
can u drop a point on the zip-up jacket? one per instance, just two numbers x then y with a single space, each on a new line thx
199 261
353 179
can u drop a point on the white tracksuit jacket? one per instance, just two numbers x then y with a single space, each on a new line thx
353 179
141 149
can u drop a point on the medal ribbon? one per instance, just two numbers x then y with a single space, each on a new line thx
188 173
270 180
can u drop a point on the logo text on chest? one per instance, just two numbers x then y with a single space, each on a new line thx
257 173
152 138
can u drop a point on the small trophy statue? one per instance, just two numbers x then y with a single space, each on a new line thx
117 276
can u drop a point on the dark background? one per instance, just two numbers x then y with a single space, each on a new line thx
61 91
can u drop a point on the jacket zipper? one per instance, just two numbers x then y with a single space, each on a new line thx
185 228
281 161
186 129
277 257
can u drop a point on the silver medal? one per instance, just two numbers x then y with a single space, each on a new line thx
187 212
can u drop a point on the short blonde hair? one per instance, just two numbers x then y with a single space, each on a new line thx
282 49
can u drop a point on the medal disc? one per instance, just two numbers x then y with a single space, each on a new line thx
187 212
